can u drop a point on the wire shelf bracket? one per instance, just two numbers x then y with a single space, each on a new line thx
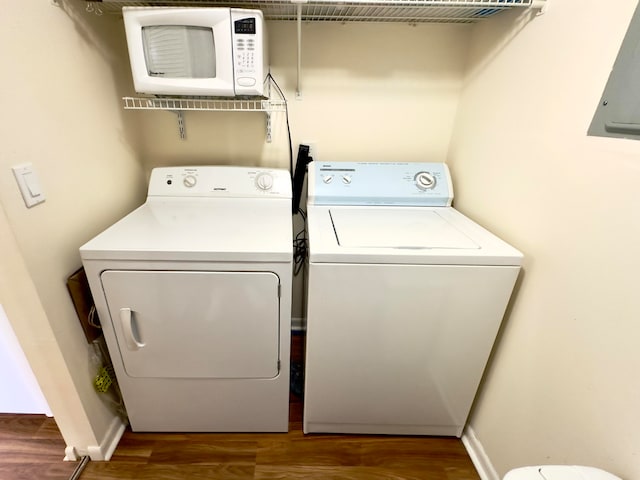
181 128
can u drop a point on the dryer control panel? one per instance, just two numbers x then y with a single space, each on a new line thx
219 181
380 183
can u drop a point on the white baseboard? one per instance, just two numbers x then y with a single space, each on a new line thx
110 441
479 457
70 454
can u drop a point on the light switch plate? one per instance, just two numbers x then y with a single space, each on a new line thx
29 184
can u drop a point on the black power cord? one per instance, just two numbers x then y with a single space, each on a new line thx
300 246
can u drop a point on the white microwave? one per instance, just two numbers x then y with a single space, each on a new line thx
220 52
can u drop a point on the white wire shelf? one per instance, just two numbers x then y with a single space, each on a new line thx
412 11
180 105
217 105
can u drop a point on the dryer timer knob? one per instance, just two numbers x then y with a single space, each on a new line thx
264 181
190 181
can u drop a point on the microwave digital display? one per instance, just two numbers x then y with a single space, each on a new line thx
245 25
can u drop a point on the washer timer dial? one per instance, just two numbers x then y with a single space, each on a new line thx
425 180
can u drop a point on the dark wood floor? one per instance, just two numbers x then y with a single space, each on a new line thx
283 456
31 448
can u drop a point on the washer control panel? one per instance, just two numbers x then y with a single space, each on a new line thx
219 181
380 183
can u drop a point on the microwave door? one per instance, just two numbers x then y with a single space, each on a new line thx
223 82
193 57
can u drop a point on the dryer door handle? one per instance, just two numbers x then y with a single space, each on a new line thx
129 328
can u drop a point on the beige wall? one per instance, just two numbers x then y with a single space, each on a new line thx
563 387
369 92
61 113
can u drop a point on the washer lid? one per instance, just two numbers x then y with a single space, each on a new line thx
396 228
402 235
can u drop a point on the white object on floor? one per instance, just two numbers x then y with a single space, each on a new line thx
559 472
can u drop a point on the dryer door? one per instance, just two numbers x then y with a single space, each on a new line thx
180 324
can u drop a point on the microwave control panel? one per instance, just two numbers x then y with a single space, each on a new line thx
248 51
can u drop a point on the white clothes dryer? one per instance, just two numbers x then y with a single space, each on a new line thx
405 299
193 291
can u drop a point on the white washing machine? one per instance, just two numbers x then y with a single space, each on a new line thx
193 290
405 299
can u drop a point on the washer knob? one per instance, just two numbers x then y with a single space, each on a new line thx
346 179
264 181
327 179
190 181
425 180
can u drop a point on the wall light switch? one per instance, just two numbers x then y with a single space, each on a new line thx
29 184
